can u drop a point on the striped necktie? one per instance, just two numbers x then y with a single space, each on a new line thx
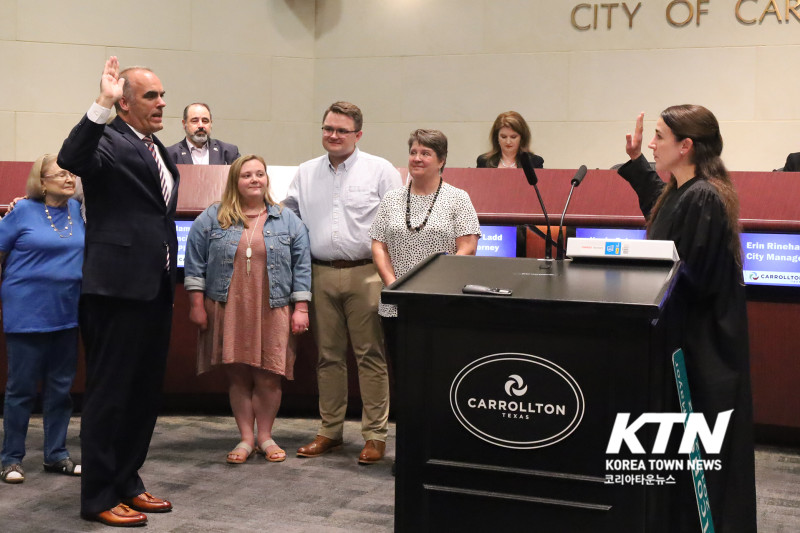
164 189
152 147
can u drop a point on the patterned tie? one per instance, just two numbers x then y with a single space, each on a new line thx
164 189
152 147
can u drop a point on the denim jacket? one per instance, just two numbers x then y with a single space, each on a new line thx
210 249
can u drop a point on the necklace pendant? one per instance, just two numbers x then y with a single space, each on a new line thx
248 266
248 253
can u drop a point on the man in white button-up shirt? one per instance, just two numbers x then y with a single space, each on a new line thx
337 195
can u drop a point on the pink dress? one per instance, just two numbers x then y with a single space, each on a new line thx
246 329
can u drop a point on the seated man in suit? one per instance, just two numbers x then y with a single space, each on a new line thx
198 148
792 163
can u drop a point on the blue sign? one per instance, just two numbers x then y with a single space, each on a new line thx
498 241
610 233
613 248
769 258
182 227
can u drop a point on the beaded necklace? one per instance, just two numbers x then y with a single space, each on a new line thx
68 227
430 209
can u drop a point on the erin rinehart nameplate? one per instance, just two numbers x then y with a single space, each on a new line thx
517 400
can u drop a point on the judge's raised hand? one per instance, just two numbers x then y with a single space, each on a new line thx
110 84
633 142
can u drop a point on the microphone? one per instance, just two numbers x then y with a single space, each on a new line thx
530 175
530 172
579 175
561 248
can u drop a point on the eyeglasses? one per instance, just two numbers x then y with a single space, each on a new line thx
327 131
61 175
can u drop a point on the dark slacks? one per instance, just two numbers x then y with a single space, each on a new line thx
126 345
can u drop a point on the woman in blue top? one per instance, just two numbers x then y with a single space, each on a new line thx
41 244
248 273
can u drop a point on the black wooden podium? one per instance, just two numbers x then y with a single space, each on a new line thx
505 404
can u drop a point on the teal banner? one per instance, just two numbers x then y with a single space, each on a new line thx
698 476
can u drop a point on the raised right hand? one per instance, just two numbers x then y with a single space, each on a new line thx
110 84
633 143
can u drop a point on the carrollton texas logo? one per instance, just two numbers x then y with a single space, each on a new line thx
515 386
517 400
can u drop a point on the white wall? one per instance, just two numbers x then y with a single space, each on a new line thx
268 68
250 60
456 64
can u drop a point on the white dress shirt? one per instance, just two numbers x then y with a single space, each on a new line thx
339 204
199 155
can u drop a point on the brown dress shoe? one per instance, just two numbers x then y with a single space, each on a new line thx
319 446
148 503
372 453
120 516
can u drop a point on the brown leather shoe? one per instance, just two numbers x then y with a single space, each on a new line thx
319 446
372 453
148 503
120 516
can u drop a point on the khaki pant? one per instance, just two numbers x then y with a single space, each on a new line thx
345 301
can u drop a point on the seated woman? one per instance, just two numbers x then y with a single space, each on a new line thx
511 141
41 244
248 273
698 209
425 217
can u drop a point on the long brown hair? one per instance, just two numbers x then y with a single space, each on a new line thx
513 120
697 123
230 210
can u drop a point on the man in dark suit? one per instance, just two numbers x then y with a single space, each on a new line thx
198 148
130 189
792 163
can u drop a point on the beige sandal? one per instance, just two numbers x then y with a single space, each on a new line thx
277 456
236 458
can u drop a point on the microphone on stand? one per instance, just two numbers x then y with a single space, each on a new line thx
561 248
530 175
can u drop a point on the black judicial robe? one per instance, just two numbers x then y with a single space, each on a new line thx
711 321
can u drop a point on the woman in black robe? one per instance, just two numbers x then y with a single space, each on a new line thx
698 209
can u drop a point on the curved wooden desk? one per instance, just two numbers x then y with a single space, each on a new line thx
504 197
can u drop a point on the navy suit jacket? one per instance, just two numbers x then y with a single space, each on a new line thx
128 224
219 153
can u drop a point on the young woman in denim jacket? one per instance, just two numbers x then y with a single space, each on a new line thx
248 274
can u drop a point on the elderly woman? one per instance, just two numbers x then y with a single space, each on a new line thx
41 244
511 141
248 273
425 217
698 209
